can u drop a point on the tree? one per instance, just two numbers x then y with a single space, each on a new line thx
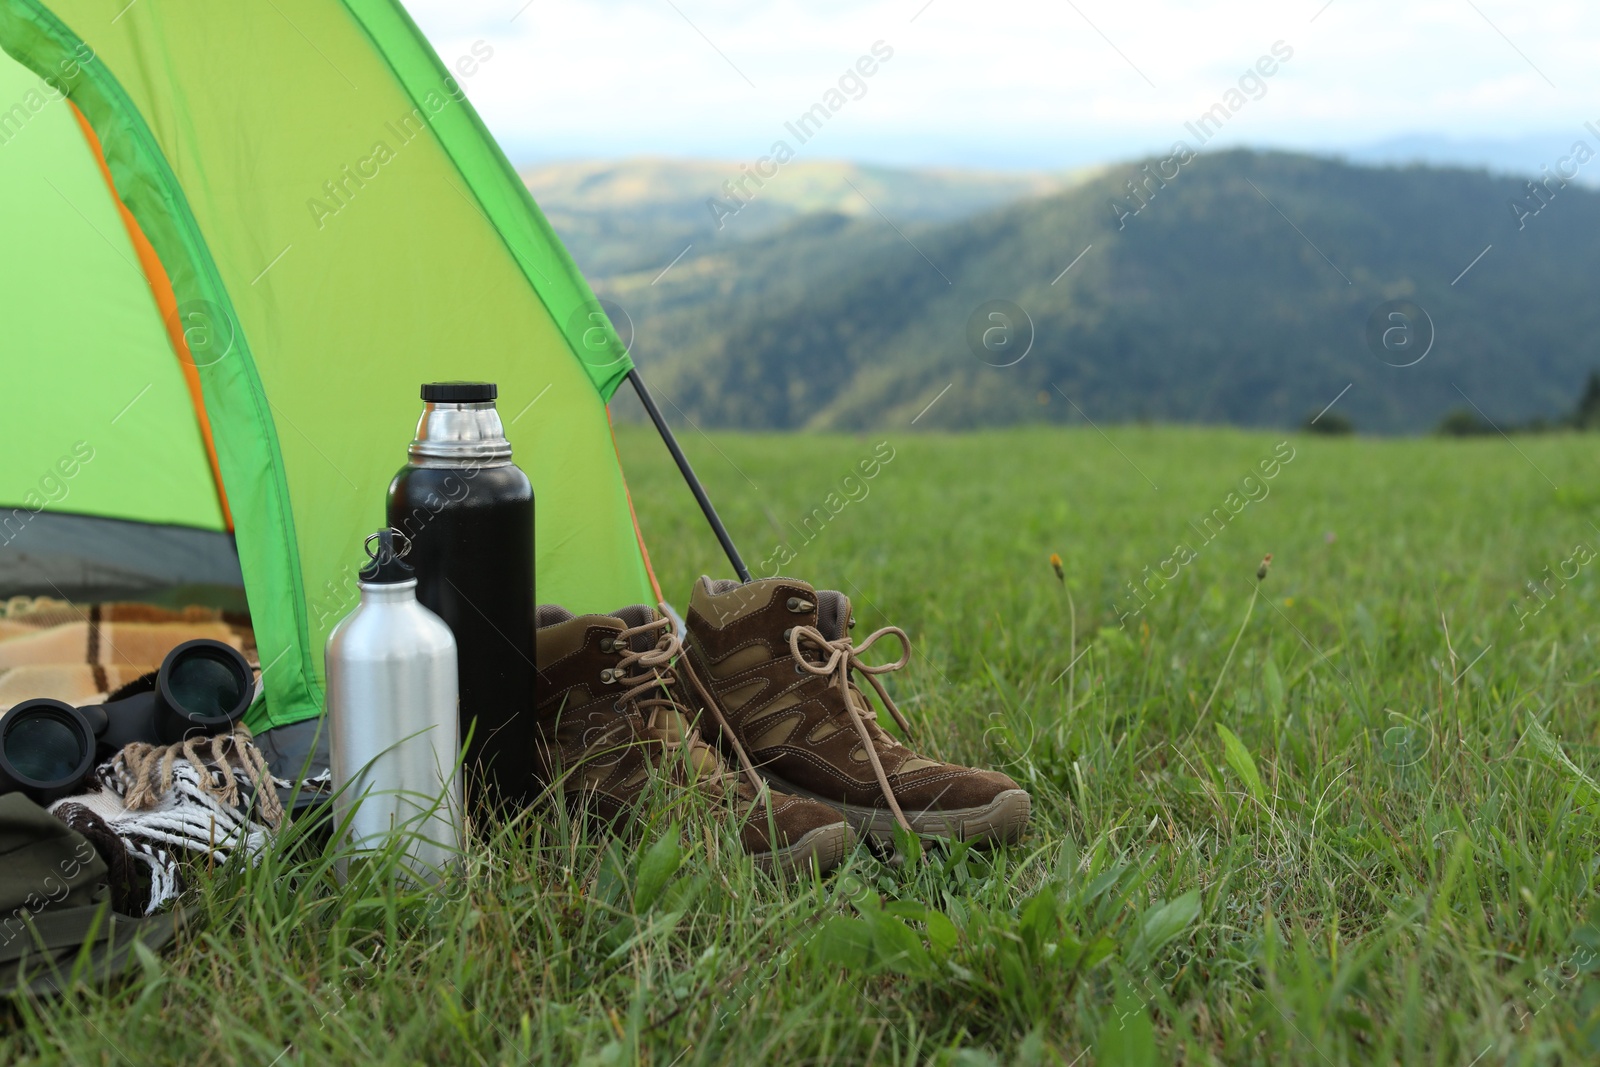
1330 422
1462 423
1586 416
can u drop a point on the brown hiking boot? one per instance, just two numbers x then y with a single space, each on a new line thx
612 719
776 654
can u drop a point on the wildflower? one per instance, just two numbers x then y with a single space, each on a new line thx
1072 623
1255 594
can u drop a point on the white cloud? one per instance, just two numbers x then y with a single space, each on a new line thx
1007 81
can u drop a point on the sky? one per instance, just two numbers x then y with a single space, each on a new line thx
1004 84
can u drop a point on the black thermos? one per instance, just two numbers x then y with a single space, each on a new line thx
468 511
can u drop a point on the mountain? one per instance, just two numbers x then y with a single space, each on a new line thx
1523 156
637 214
1238 290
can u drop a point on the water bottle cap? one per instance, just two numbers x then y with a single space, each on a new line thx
387 565
460 392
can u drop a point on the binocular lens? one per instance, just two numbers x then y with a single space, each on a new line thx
204 686
45 746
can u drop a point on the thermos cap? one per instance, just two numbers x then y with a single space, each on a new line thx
460 427
459 392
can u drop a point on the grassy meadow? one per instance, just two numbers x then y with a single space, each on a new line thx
1346 814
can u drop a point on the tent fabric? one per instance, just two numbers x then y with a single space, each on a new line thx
129 443
336 227
167 305
87 559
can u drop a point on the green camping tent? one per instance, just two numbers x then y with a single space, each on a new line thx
234 240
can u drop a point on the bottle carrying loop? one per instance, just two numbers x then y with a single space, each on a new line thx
395 536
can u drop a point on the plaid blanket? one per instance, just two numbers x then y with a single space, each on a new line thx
82 653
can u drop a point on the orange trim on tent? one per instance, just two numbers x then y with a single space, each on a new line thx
167 303
638 534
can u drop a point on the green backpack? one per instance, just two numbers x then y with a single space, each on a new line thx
56 922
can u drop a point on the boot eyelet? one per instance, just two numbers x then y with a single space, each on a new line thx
607 644
788 633
608 676
798 605
799 669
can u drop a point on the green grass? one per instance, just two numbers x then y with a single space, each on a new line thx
1375 846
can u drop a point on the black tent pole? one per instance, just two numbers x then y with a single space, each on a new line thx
688 475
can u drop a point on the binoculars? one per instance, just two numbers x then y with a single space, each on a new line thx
48 748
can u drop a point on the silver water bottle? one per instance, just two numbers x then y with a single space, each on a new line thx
392 704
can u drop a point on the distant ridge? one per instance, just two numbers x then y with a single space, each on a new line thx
1238 292
630 214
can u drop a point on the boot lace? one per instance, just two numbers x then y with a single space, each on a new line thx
838 658
656 673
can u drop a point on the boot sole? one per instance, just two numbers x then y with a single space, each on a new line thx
1001 821
823 848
